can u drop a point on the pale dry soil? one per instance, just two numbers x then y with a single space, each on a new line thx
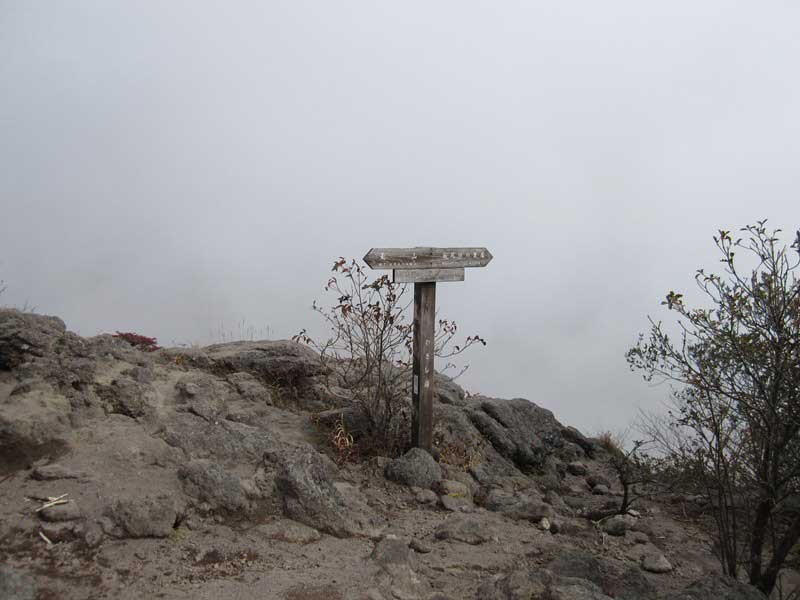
212 558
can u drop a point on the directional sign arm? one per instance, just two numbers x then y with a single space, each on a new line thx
427 258
428 275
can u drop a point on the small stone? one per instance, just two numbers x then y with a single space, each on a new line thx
639 537
415 468
656 563
594 480
426 497
531 510
448 487
190 389
456 503
286 530
53 473
600 489
465 529
617 525
544 524
148 516
61 512
576 468
454 495
499 500
420 546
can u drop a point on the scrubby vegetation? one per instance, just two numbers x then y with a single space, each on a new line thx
368 353
735 430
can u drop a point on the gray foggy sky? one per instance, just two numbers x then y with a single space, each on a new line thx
169 166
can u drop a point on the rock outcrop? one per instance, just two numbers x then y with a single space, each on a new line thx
210 472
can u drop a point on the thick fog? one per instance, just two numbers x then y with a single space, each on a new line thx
190 170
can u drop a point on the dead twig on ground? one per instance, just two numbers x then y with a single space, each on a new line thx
45 538
53 501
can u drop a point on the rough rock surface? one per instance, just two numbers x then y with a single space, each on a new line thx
61 512
416 468
286 530
15 585
210 473
210 482
655 562
618 524
34 422
394 565
580 564
148 516
719 588
527 584
54 472
469 530
311 496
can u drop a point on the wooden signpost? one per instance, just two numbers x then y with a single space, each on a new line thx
424 267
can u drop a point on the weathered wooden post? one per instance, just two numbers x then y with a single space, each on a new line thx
424 267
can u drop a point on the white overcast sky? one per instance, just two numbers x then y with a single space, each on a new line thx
174 168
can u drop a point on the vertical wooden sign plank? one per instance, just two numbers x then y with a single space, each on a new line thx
424 266
422 373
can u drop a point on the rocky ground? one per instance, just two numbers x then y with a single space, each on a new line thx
208 473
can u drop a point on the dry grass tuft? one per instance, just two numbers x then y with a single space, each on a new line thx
610 441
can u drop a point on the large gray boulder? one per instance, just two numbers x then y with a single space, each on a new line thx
25 336
305 480
38 347
519 430
290 371
280 362
416 468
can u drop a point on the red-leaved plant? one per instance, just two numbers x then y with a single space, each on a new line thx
142 342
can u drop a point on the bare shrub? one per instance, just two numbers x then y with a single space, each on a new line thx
735 366
369 348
